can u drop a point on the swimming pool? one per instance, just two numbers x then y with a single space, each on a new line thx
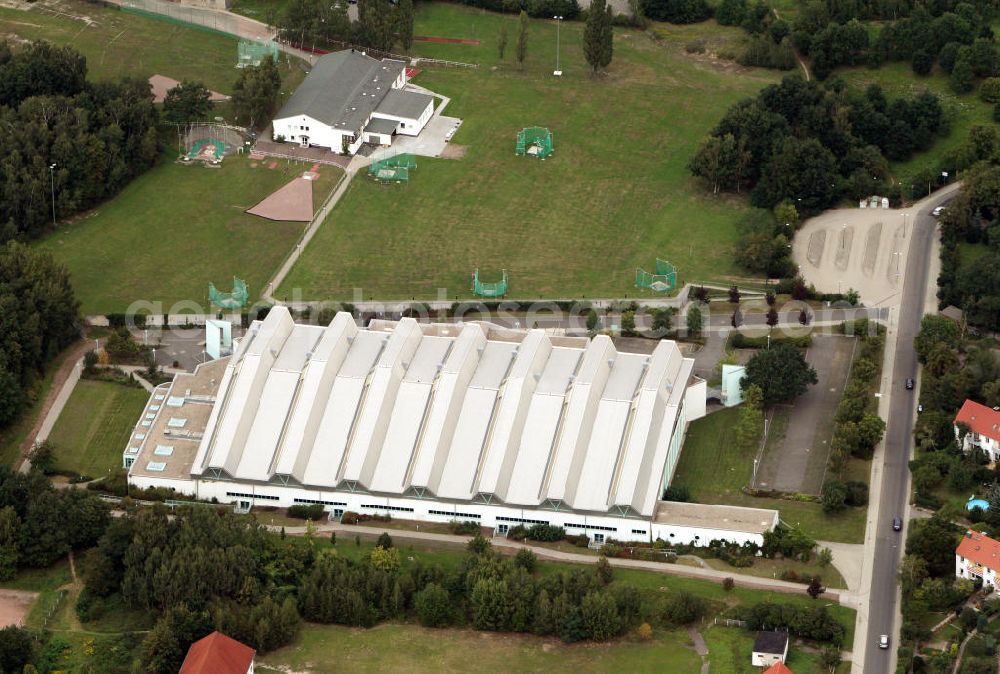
977 503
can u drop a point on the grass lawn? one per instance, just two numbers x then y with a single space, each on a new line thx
118 44
964 112
175 229
772 568
12 436
615 195
729 648
95 425
716 471
332 648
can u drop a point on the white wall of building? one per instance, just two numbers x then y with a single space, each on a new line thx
409 126
430 510
966 568
318 133
985 443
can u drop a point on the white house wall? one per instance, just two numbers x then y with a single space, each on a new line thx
409 126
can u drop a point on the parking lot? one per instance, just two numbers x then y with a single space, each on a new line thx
797 463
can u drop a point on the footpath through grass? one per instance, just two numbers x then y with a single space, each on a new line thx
616 194
175 229
94 427
716 470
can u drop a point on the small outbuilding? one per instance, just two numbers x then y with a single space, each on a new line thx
769 648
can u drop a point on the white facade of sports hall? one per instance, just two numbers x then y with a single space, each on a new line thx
438 422
349 99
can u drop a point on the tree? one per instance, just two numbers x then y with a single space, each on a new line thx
628 324
604 571
385 559
187 102
694 321
772 317
934 540
825 557
593 320
719 161
502 40
376 24
596 46
834 496
815 588
912 574
384 540
751 424
522 38
934 330
404 17
491 605
781 372
734 294
728 584
962 79
255 94
801 169
526 559
736 320
989 90
10 530
433 605
600 616
923 62
804 316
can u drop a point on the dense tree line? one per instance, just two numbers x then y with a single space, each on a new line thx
810 144
98 135
38 315
255 93
676 11
973 217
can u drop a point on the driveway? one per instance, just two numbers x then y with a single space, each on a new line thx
798 464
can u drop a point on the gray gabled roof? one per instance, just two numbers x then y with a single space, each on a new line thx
407 104
343 89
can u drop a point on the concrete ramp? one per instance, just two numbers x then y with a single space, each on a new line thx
291 203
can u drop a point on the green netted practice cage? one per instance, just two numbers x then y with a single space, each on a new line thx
664 279
498 289
252 52
234 300
534 141
393 169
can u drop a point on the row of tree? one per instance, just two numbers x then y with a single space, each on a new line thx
810 144
38 320
77 140
973 217
317 24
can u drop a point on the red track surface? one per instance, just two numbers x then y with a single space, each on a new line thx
447 40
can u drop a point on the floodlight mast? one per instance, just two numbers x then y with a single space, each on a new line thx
558 71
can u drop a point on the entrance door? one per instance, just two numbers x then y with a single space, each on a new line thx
338 513
599 538
303 141
502 530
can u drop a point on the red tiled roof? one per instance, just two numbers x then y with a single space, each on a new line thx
217 654
980 549
778 668
980 418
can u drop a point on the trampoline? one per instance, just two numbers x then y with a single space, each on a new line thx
207 149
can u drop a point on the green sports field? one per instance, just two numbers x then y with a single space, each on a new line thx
94 427
615 195
175 229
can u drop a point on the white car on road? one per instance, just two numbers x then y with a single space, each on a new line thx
937 212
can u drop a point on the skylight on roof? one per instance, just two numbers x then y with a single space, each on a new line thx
177 422
163 450
156 466
175 401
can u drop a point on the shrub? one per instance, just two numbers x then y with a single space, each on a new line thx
579 540
677 492
349 518
857 493
645 631
467 528
695 46
301 511
728 584
526 559
518 533
433 605
546 532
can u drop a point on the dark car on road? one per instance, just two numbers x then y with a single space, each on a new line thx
897 524
909 384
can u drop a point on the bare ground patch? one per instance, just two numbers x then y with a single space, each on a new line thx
14 606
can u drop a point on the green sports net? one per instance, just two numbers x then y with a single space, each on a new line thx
498 289
234 300
534 141
663 279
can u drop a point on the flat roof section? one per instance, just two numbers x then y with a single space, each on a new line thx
625 376
204 384
700 515
428 359
559 371
298 348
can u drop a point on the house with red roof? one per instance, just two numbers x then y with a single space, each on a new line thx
218 654
983 425
978 556
777 668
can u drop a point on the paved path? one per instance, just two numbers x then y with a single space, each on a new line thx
700 648
848 558
310 231
63 383
754 582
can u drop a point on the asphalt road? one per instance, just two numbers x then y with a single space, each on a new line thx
898 443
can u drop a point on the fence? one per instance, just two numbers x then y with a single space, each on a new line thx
729 622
